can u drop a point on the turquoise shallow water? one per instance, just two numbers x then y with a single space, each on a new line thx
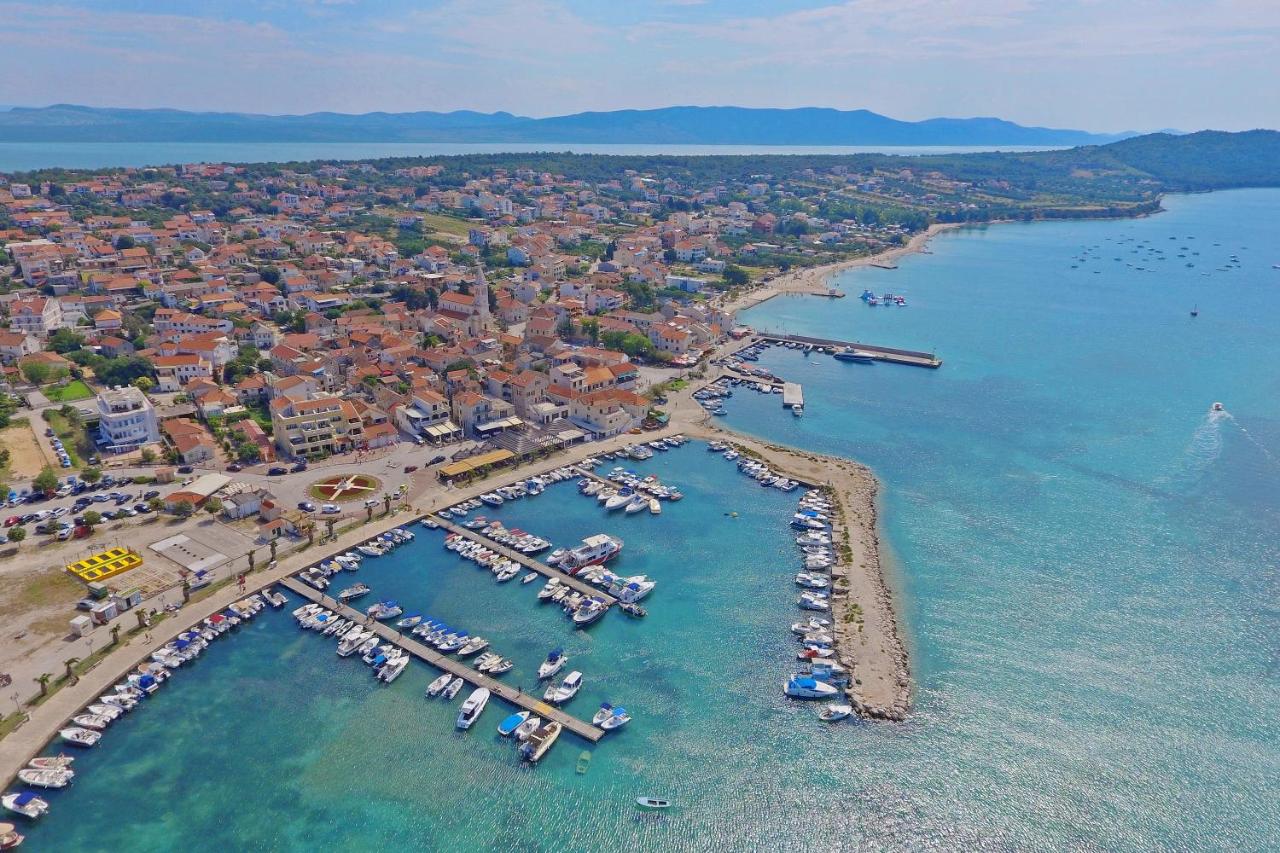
1087 561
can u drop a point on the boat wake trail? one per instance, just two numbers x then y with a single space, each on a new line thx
1227 418
1206 442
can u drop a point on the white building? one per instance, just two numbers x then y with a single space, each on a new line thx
127 420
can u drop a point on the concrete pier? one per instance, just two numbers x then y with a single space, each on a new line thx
527 561
792 395
527 701
892 355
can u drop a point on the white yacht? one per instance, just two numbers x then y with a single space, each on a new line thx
473 707
435 687
808 687
565 690
554 663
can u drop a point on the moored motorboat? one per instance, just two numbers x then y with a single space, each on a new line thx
540 742
46 777
565 690
52 762
555 662
353 592
25 803
808 687
510 724
473 707
835 712
435 687
80 737
589 612
527 728
616 720
10 838
453 688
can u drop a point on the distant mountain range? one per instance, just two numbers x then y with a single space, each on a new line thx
669 125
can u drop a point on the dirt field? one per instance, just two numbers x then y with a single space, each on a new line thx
25 457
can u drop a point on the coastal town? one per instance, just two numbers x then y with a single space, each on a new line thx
214 370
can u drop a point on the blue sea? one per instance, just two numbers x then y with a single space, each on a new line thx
1086 558
24 156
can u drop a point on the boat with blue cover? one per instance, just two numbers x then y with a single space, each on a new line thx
508 726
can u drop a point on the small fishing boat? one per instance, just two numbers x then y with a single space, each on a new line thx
616 720
434 688
565 690
79 736
473 707
353 592
530 578
509 725
653 803
453 688
52 762
91 721
385 610
605 712
632 609
554 663
834 712
540 742
10 838
808 687
409 621
45 777
502 666
527 728
584 762
25 803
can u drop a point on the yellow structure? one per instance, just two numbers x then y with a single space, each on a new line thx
457 469
108 564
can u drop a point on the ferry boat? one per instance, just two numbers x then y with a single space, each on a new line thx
473 707
593 551
540 742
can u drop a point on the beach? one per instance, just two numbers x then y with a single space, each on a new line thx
817 280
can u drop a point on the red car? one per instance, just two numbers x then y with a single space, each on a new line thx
12 520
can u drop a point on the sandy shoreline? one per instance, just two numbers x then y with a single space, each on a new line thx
816 280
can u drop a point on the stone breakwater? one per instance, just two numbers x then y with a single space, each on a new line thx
867 633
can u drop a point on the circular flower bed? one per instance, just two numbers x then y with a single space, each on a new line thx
347 487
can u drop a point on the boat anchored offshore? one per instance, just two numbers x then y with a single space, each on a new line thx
554 663
653 803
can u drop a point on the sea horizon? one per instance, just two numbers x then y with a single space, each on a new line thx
28 156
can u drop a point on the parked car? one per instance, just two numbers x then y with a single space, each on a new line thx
66 533
307 506
186 469
437 460
235 466
277 471
409 469
298 468
371 502
12 520
142 508
330 509
151 494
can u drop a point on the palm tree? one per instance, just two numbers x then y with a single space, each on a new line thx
386 502
369 510
253 554
330 522
71 675
274 545
115 634
43 680
311 534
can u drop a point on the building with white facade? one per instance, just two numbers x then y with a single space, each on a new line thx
127 420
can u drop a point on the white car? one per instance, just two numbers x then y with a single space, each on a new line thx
330 509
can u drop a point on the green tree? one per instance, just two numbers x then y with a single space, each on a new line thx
213 506
70 663
92 519
124 241
37 372
155 504
43 680
269 274
184 509
144 383
17 534
115 634
386 501
46 481
591 328
148 455
64 341
91 475
735 276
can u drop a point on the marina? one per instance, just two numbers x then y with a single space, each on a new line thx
506 692
888 355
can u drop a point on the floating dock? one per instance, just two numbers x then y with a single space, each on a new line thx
526 561
527 701
792 395
892 355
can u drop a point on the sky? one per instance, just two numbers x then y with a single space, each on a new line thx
1100 65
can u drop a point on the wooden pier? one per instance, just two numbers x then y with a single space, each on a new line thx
526 561
529 702
892 355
